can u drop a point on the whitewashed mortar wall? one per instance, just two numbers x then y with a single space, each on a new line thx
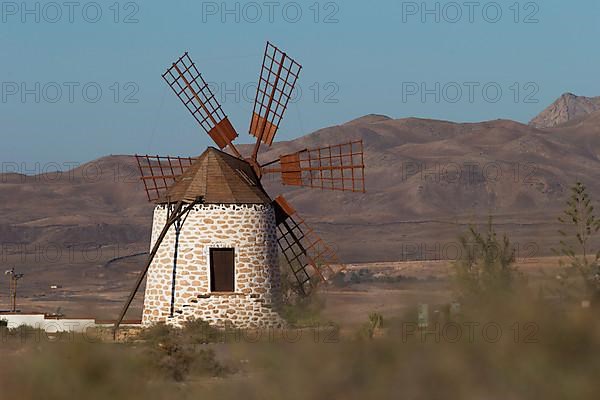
251 231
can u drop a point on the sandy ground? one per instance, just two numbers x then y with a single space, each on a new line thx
416 282
389 288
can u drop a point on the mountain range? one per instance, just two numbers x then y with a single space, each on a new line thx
426 181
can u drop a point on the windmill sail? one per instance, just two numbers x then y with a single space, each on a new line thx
186 81
276 83
160 173
340 167
309 257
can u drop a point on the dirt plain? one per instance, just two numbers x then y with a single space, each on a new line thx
388 288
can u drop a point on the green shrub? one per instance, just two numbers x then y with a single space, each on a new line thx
303 311
205 363
368 329
485 269
297 308
582 226
175 352
199 331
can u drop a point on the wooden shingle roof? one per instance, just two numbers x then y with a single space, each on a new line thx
218 178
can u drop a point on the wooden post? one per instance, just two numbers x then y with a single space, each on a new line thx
174 216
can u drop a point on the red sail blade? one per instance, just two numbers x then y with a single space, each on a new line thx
278 76
187 83
340 167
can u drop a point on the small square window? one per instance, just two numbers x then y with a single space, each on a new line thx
222 270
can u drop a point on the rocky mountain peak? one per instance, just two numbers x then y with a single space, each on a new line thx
567 108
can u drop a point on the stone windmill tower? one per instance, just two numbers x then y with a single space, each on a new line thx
217 235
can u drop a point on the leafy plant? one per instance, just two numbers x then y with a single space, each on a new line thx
376 322
485 268
582 225
167 352
175 351
303 311
297 308
199 331
368 329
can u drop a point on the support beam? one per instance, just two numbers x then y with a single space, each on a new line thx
177 213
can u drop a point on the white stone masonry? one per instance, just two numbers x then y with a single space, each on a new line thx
250 230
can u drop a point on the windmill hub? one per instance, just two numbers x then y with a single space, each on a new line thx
255 166
217 236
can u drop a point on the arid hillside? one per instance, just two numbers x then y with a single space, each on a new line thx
426 180
86 230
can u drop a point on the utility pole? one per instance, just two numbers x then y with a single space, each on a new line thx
10 272
13 279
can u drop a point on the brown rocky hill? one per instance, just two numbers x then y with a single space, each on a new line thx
426 181
100 202
567 108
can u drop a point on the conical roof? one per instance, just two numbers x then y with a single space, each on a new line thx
218 178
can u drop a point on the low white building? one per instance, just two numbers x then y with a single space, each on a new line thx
53 324
50 325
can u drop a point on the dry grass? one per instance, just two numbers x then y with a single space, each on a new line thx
553 355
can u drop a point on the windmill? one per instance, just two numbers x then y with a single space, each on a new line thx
216 232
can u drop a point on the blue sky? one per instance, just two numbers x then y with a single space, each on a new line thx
442 60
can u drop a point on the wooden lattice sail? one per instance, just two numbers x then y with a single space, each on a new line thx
159 173
338 167
188 84
310 258
278 76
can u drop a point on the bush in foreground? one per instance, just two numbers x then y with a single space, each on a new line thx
176 352
485 270
581 227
